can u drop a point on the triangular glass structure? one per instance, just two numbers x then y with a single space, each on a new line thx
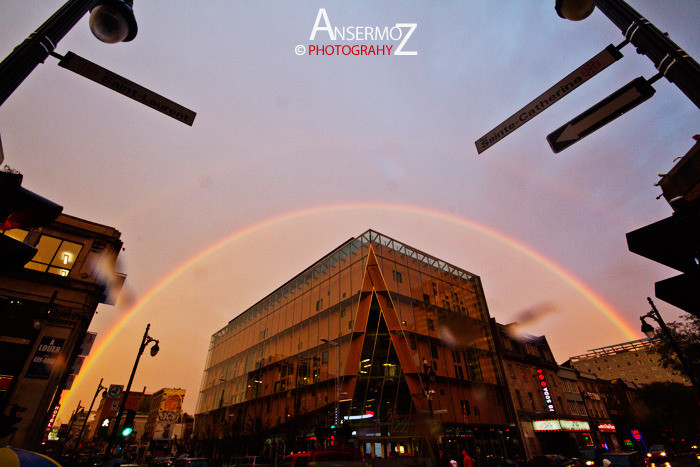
381 376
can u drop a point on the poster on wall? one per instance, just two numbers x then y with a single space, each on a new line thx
44 358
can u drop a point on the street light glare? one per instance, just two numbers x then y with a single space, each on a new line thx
113 21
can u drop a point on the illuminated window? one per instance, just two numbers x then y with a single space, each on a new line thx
54 256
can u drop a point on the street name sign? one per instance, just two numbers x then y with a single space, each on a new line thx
592 67
128 88
629 96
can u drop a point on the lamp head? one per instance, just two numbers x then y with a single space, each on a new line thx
113 21
155 349
574 10
647 328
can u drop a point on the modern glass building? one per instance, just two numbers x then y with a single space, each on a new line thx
377 335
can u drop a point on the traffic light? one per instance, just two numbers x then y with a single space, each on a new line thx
103 430
128 426
20 209
675 241
8 422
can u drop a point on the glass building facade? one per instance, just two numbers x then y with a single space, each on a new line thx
377 335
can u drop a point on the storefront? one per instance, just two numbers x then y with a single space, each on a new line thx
562 436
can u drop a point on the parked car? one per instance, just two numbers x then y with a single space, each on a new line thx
625 459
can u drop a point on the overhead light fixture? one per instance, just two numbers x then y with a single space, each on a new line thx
113 21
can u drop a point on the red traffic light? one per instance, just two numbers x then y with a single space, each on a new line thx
20 207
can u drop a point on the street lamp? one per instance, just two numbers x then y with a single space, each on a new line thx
337 379
99 388
125 395
648 330
110 21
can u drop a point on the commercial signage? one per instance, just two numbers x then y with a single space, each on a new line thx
545 391
606 427
560 425
546 425
574 425
579 76
44 358
113 81
636 435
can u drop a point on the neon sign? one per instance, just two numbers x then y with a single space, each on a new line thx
545 390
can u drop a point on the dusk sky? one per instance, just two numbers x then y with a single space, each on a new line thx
290 155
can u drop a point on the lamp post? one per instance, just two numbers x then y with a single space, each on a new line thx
648 330
99 388
125 395
337 379
111 21
671 61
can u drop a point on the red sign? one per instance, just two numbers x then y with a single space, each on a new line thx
636 435
606 427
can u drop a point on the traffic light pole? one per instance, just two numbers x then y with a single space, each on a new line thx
39 45
671 61
125 395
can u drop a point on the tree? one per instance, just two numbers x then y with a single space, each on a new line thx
686 333
674 412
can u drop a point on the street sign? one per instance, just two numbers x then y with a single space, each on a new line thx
605 111
128 88
115 390
592 67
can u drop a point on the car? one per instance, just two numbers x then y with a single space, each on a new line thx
253 461
297 459
323 458
190 462
552 460
625 459
591 456
658 455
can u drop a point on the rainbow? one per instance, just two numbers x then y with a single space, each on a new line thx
576 284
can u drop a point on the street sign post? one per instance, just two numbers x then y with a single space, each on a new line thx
605 111
592 67
128 88
115 390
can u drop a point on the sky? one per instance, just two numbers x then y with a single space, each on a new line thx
290 155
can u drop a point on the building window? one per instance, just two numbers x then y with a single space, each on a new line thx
455 356
434 351
324 357
350 324
397 276
319 304
466 410
342 312
459 373
431 325
510 371
54 255
532 401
